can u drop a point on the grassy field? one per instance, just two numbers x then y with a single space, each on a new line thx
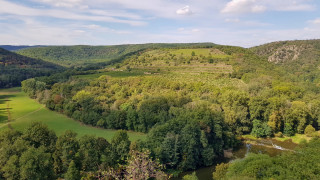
297 138
24 111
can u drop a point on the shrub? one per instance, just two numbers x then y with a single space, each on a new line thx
221 171
310 131
192 176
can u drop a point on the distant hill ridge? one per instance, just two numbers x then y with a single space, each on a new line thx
15 48
80 54
14 68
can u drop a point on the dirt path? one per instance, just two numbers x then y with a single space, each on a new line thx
30 113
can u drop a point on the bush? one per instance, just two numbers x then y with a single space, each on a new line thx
310 131
221 171
192 176
279 134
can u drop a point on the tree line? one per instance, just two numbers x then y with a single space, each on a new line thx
37 153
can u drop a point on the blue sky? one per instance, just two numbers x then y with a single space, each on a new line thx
106 22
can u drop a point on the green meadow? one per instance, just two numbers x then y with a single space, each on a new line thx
24 111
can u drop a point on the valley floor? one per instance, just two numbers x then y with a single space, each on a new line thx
18 111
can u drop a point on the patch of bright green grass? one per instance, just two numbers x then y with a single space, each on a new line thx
202 51
297 138
25 111
5 95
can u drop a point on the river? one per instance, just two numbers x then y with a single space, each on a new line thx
271 147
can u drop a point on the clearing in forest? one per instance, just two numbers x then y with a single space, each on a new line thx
24 111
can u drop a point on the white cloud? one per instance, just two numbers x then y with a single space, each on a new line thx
245 22
315 21
92 26
184 11
289 5
258 6
158 8
65 3
232 20
33 32
243 6
20 10
195 30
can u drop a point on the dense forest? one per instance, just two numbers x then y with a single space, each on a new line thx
192 101
37 153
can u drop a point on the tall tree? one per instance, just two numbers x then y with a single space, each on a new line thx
35 163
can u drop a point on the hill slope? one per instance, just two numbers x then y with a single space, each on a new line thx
299 60
14 68
305 51
192 101
15 48
75 55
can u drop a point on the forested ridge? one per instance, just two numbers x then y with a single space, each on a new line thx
18 47
194 101
15 68
77 55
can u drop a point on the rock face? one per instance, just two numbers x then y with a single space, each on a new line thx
287 53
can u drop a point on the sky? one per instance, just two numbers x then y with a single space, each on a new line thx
243 23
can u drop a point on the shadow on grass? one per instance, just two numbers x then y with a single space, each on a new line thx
3 115
3 111
5 98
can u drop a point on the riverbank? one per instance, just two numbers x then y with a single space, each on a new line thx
297 138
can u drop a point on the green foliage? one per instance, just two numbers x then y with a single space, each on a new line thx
89 153
66 148
120 146
236 108
35 163
25 111
75 55
220 171
298 115
11 168
15 68
303 164
32 87
23 155
192 176
260 129
288 129
309 131
189 108
39 135
72 173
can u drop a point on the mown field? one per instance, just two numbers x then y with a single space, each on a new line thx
24 111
